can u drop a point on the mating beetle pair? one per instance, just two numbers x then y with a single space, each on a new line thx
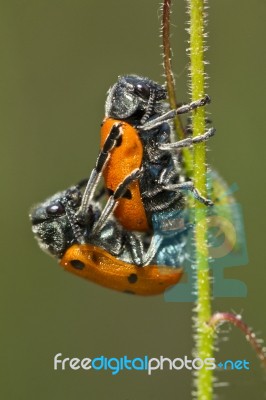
143 177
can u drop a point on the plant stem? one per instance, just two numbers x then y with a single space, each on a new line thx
204 334
170 82
221 317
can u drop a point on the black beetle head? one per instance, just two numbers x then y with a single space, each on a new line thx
51 226
54 222
132 95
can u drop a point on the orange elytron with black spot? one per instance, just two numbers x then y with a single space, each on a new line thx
130 210
99 266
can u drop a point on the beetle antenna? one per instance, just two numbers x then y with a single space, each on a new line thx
73 220
150 107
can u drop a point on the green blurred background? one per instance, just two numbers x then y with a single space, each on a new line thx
58 58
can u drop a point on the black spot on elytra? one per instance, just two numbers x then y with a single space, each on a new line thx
94 257
127 194
119 141
132 278
77 264
110 192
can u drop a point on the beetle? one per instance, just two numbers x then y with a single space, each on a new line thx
110 255
136 135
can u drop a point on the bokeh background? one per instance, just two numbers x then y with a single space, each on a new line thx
58 58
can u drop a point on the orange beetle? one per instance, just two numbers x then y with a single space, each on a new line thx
136 148
111 256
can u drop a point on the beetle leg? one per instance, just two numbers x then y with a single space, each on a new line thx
190 187
139 256
152 250
152 123
113 199
188 141
110 142
135 246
